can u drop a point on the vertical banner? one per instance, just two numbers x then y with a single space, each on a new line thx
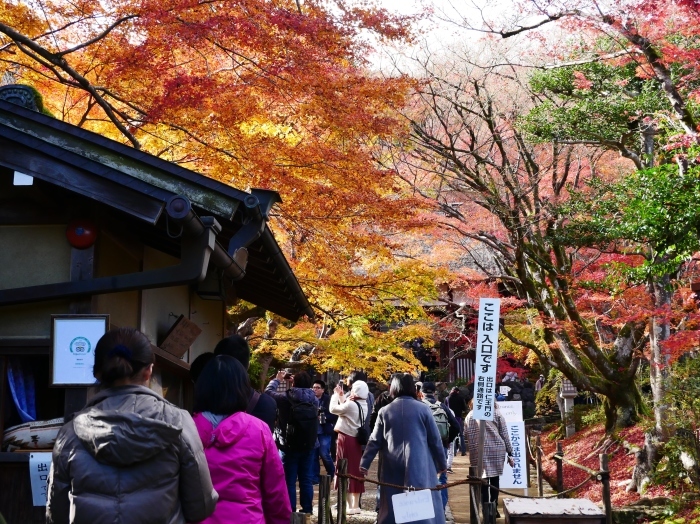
39 466
486 356
515 477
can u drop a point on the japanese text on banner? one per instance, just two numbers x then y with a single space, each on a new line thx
486 356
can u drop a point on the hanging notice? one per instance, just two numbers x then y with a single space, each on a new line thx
413 505
512 410
486 356
73 339
39 466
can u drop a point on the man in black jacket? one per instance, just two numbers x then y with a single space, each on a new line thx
428 390
459 407
325 431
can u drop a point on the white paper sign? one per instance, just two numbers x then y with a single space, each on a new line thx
512 410
516 477
486 357
74 341
413 505
39 466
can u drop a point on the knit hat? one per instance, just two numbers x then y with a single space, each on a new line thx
428 387
359 389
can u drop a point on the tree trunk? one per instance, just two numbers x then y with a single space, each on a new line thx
265 361
623 406
659 331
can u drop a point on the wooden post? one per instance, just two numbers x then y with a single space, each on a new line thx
324 499
528 461
480 456
342 490
605 480
474 498
560 467
298 518
538 455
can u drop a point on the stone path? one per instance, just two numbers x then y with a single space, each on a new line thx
458 505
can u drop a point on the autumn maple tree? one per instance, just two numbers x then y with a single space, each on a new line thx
516 144
257 94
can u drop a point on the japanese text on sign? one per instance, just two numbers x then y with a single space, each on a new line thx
515 477
486 356
39 466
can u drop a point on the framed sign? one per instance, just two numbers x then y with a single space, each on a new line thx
73 341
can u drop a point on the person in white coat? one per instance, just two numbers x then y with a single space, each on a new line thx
352 413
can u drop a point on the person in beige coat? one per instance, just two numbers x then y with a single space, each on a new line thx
352 413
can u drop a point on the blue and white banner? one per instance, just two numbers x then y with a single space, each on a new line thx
486 357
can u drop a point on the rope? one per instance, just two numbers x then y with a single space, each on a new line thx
548 496
574 464
468 480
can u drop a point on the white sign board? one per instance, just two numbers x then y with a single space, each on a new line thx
74 338
413 505
512 410
516 477
39 467
486 357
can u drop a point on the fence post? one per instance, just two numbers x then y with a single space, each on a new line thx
324 499
298 518
342 471
605 479
560 467
538 465
474 498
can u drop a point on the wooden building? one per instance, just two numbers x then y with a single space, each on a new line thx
91 226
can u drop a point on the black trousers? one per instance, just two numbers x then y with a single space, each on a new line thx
489 493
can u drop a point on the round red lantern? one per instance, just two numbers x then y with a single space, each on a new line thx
81 234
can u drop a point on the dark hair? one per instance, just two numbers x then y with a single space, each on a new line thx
321 382
234 346
121 353
223 387
198 365
356 375
302 380
402 386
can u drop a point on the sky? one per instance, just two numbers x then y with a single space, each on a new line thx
439 32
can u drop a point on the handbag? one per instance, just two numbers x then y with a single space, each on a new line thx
362 434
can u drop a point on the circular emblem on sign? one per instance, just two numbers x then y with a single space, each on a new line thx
80 346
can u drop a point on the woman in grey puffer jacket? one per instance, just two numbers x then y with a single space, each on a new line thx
129 456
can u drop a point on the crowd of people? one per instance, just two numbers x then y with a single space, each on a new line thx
131 456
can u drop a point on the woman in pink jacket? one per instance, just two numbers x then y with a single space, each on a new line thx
242 456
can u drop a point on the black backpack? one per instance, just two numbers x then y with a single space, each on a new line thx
362 434
301 431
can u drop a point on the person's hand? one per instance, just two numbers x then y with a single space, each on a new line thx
511 462
353 397
280 375
363 471
339 390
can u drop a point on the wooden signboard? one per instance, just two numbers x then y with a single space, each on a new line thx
181 336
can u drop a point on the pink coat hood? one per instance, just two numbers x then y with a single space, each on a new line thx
244 465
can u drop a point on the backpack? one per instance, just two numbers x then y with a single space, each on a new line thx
301 431
441 419
362 434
